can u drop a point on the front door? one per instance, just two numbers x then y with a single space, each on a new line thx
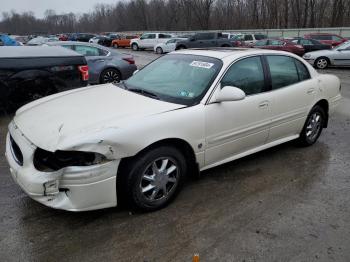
238 126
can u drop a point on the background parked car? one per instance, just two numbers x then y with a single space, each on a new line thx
311 44
338 56
40 40
28 73
149 40
105 64
168 46
81 37
329 39
8 41
123 41
280 45
202 40
248 39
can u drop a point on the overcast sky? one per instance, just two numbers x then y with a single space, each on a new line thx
60 6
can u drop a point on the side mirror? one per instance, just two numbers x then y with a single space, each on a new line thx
135 72
229 93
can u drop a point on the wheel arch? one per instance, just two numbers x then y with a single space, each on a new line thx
180 144
325 105
325 57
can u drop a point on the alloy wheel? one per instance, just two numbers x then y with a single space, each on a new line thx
111 76
159 179
313 126
322 63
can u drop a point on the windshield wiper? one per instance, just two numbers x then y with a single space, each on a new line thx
144 92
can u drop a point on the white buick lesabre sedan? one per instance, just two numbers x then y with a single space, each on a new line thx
185 112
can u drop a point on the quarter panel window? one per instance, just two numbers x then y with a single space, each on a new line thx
283 71
87 50
302 71
246 74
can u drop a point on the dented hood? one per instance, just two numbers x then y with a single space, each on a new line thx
49 121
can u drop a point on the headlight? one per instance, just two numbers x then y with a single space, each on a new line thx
307 56
53 161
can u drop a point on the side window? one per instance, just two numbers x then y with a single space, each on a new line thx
151 36
261 43
68 47
302 70
103 52
87 50
283 71
145 36
276 43
246 74
305 42
336 38
162 36
248 37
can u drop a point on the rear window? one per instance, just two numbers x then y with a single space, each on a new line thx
322 37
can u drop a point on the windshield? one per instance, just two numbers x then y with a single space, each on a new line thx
343 45
177 78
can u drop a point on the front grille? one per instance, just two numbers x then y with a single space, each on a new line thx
16 152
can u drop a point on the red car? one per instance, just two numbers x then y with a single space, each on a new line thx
328 39
281 45
63 37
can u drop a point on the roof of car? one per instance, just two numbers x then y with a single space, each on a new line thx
35 51
222 52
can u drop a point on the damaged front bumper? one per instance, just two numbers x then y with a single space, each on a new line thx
76 188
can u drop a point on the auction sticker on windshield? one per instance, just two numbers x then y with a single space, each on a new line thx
202 64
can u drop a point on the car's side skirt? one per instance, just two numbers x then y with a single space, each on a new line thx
251 151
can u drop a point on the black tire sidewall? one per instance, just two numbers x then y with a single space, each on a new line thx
139 165
136 47
161 50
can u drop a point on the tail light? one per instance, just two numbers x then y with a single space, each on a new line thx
84 70
130 60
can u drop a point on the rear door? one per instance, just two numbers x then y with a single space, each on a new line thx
293 93
341 56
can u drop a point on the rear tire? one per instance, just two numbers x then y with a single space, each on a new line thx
151 180
110 75
115 46
313 126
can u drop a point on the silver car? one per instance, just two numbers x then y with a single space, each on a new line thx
338 56
105 65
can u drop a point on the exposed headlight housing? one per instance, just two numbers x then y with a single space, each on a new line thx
47 161
307 56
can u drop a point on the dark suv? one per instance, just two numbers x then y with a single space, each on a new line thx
31 72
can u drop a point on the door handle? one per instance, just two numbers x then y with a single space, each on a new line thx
311 91
264 104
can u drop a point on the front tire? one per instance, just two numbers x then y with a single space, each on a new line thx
321 63
135 47
159 50
313 126
154 178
